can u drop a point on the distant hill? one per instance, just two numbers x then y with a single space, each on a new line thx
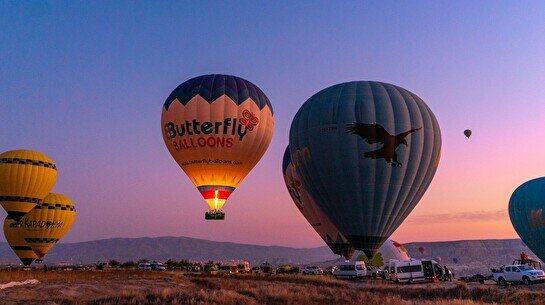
164 248
473 255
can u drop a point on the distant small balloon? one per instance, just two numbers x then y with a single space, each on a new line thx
438 259
455 260
422 250
467 133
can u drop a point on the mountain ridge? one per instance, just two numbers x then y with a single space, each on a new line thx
463 256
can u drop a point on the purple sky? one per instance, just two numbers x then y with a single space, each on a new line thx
84 82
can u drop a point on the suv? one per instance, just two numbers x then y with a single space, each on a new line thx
517 274
373 272
313 270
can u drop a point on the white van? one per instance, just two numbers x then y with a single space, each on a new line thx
389 269
351 270
414 270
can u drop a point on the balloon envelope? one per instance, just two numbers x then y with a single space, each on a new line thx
467 133
366 152
389 250
312 213
48 222
216 128
526 208
26 177
13 232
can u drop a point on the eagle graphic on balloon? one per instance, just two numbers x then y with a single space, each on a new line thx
375 133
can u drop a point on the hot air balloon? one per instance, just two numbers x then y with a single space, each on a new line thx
366 152
390 249
422 250
467 133
315 217
14 237
48 222
26 177
526 212
216 128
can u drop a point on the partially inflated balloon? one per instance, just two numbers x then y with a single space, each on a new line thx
26 177
14 236
467 133
48 222
312 213
217 127
389 250
366 152
526 208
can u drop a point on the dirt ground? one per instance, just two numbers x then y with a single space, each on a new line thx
151 287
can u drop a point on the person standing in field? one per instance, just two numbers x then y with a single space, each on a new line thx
45 268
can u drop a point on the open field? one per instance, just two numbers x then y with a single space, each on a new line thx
146 287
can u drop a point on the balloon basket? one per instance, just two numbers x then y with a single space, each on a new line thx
214 215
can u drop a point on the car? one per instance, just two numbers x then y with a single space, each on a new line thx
287 269
312 270
329 270
350 270
144 266
518 274
373 272
157 266
256 270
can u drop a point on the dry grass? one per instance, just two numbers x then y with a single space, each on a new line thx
153 288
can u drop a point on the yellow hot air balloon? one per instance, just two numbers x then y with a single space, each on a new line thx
26 177
217 127
14 236
48 222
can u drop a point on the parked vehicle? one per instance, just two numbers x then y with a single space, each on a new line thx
243 267
287 269
157 266
329 270
266 268
350 270
312 270
228 269
144 266
414 270
518 274
389 269
256 270
373 272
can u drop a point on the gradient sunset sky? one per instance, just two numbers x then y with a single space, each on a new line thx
84 82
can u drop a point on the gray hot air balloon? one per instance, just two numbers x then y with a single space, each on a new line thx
467 133
313 214
366 152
